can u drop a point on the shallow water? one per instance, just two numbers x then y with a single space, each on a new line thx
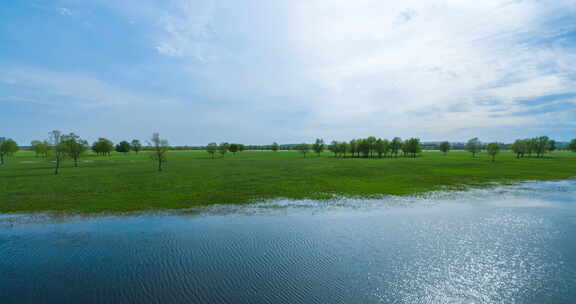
511 244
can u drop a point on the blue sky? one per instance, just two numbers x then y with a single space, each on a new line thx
258 71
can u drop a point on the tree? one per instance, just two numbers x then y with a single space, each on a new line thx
445 147
493 149
370 145
223 148
303 148
159 150
552 146
364 147
353 147
211 148
7 148
531 145
41 148
275 147
343 148
233 148
318 146
413 146
520 147
541 145
572 145
334 148
136 145
103 147
55 140
473 146
73 146
395 146
123 147
379 147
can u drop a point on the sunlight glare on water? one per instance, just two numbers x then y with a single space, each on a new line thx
510 244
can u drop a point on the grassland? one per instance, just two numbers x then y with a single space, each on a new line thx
129 182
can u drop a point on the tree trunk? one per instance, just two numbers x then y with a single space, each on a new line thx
1 158
57 165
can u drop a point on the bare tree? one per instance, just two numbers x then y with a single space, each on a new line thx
159 149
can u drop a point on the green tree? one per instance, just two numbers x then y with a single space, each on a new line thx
379 147
159 150
275 147
41 148
223 148
303 148
343 148
211 148
233 148
7 148
318 146
445 147
473 146
136 145
552 146
123 147
520 147
531 145
395 146
371 145
59 149
412 146
333 147
572 145
542 144
74 146
353 147
364 147
103 147
493 149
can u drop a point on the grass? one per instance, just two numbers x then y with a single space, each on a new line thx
123 183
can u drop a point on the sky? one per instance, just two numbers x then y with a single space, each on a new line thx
288 71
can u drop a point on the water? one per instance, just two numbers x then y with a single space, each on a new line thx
505 245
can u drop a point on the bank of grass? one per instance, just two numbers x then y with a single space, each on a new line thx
129 182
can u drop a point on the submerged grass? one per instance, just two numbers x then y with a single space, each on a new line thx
126 183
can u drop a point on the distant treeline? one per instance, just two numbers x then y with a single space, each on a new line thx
61 146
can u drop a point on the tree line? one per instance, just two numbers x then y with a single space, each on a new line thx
61 146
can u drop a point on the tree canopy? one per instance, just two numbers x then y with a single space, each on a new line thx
493 149
123 147
445 147
7 148
473 146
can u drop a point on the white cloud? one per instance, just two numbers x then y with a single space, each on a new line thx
439 69
65 11
362 65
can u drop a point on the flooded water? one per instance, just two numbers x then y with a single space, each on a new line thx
513 244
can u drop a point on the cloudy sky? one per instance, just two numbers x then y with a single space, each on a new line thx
257 71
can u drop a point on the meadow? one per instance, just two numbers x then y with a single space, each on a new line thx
121 183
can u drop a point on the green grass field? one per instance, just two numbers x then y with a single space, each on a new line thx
130 183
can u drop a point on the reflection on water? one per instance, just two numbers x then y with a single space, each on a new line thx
503 245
